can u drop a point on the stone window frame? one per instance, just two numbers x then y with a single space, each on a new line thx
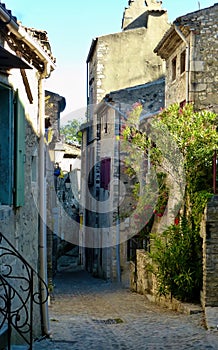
182 61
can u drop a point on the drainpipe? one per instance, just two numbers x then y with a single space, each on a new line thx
42 200
87 87
118 210
187 58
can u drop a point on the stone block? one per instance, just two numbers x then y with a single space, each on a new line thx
197 66
211 317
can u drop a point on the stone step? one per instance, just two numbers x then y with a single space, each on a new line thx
3 336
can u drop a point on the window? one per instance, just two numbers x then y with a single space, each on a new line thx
182 104
12 148
106 123
105 172
174 68
182 62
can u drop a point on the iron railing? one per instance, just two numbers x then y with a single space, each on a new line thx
21 288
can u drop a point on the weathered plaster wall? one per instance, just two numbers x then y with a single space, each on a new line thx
136 13
126 59
23 227
20 225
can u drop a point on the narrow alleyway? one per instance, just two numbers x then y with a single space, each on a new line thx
88 313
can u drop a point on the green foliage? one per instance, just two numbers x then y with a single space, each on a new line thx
196 137
163 193
176 262
71 132
176 253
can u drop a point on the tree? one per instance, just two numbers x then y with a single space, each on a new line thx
71 132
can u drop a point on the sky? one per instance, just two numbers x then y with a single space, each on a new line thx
71 25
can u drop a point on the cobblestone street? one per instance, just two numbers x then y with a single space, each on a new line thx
88 313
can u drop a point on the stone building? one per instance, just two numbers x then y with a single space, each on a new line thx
54 106
189 48
64 195
26 61
125 63
62 191
108 230
124 59
111 186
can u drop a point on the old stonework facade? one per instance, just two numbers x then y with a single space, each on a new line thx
122 69
189 48
120 60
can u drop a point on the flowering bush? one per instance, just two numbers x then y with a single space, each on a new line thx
177 251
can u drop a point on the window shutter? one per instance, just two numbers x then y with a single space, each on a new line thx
105 173
19 152
6 145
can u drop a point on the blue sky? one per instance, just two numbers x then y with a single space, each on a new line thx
71 26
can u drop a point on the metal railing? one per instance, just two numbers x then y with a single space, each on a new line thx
20 289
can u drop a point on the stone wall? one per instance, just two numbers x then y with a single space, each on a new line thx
144 282
200 31
210 255
204 67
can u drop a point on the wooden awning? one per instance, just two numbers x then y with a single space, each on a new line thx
8 60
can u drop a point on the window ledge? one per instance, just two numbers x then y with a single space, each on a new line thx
5 212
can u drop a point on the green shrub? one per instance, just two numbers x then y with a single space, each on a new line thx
176 262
